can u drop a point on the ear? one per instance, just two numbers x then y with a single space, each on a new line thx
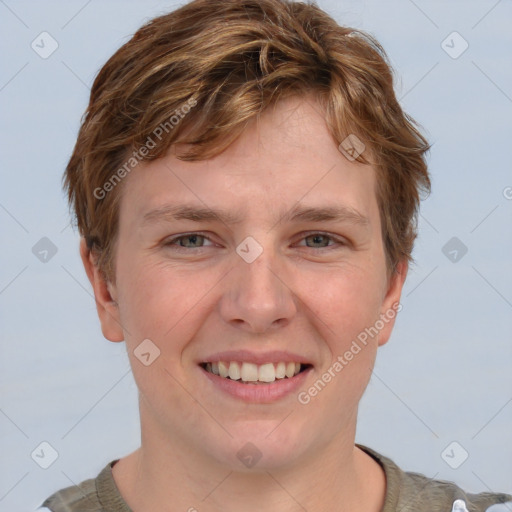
391 303
104 295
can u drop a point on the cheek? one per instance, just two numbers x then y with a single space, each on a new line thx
347 309
158 304
157 301
348 303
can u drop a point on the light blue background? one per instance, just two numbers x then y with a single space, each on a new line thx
446 373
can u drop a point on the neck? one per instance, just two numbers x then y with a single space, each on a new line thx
172 477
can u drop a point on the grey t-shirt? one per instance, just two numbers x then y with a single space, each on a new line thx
405 492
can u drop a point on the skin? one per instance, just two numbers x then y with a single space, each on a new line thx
298 295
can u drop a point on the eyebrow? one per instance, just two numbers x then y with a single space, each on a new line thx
299 212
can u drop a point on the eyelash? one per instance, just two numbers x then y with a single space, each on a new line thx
171 242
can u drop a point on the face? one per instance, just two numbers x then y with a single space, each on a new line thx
289 268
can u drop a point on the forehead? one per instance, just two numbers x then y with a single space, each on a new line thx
284 159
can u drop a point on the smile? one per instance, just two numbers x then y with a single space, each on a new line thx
254 373
256 383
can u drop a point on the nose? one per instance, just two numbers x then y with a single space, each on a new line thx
256 297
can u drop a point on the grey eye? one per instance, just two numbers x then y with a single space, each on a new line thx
318 240
190 241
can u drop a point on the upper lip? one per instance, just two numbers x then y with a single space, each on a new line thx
248 356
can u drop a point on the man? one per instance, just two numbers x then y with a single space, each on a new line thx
246 186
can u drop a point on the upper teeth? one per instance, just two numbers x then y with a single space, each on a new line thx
250 372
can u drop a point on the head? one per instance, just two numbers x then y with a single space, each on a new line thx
257 108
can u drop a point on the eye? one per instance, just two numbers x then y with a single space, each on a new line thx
189 241
316 240
321 240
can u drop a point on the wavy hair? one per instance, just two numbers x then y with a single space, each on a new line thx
199 74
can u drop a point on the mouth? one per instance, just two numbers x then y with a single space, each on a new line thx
251 373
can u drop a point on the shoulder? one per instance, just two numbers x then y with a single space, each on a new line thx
88 496
82 497
408 492
417 492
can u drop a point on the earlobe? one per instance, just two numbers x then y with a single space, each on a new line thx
391 304
105 295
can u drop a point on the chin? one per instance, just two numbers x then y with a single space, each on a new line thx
257 448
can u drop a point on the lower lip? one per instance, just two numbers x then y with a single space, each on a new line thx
259 393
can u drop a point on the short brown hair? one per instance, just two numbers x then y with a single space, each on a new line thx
213 65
